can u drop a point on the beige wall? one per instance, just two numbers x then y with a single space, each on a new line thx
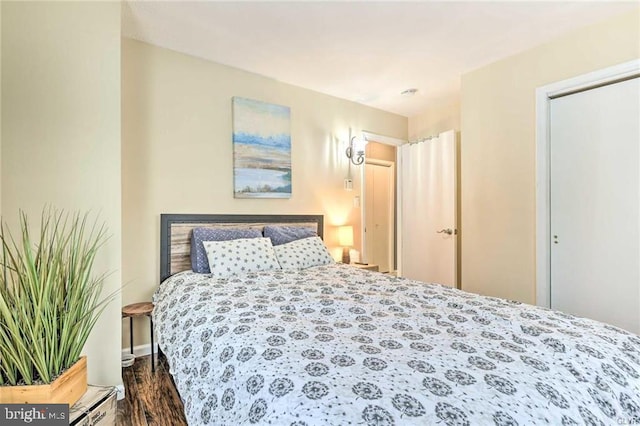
61 133
437 118
498 151
177 152
1 109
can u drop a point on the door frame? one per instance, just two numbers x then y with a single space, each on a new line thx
386 140
392 231
544 96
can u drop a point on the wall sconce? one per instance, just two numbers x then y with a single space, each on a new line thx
355 151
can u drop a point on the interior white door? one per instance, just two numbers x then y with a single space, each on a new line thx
594 204
428 225
379 214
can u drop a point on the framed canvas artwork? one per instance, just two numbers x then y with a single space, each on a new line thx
261 149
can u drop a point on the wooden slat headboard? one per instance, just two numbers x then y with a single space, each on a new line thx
175 233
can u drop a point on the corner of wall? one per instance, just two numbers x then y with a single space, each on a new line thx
61 75
437 118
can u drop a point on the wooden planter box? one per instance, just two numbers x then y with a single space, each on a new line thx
66 389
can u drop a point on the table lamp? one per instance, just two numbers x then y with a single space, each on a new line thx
345 238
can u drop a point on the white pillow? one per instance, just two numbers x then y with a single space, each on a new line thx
302 254
240 256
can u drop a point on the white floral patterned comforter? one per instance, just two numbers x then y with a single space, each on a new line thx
335 345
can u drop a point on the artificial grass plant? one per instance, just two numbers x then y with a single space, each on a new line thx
49 298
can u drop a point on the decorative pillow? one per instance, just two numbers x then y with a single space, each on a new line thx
286 234
302 254
240 256
199 261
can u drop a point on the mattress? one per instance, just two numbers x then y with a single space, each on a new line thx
336 345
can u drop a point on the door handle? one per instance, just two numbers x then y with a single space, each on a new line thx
447 231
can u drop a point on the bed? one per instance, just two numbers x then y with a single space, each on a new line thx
337 345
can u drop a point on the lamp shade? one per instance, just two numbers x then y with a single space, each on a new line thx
345 235
359 144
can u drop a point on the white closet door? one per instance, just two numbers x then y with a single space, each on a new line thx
379 214
594 205
428 221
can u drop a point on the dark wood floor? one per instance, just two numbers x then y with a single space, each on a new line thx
151 398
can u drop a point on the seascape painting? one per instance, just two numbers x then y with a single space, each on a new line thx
261 149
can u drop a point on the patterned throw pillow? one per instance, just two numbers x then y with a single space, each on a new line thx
285 234
302 254
240 256
199 261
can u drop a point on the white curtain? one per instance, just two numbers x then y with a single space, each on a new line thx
428 185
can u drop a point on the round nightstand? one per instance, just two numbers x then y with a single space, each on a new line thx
142 309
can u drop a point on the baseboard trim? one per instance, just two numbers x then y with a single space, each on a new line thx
140 350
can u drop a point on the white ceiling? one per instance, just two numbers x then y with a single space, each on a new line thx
367 52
